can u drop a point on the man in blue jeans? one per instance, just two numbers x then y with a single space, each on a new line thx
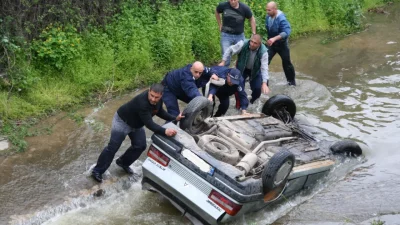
234 14
278 29
252 63
129 121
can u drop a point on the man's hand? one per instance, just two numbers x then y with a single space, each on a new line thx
210 97
179 117
170 132
222 63
214 77
271 41
265 89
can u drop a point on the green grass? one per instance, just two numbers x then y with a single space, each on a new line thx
377 222
137 47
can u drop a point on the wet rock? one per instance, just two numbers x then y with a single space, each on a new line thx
3 143
99 193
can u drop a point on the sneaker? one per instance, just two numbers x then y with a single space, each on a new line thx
126 168
97 176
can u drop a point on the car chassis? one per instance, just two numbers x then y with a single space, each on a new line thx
219 168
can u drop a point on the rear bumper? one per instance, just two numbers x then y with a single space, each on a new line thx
181 192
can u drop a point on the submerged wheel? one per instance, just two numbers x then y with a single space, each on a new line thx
281 107
277 170
346 147
219 148
195 112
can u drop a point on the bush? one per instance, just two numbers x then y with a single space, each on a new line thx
111 46
57 45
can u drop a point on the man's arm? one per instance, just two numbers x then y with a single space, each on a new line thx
252 21
209 73
284 31
213 90
232 50
164 114
145 116
244 101
190 88
264 73
218 17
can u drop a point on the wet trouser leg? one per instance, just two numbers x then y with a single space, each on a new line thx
287 65
282 48
119 131
171 102
255 86
271 54
223 105
138 145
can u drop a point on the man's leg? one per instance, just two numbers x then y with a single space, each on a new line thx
271 53
225 44
246 73
287 65
138 145
171 102
119 131
223 105
227 40
255 86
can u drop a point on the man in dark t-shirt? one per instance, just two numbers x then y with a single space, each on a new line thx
129 121
234 14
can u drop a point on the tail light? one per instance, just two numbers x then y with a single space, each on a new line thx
158 156
223 202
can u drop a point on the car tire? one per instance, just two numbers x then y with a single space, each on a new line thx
277 170
281 107
346 147
219 148
195 112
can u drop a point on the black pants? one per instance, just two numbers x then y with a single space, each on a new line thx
282 48
223 105
119 131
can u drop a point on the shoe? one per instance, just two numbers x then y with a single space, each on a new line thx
292 83
126 168
97 176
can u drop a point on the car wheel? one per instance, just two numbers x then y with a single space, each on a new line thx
347 147
277 170
219 149
195 112
281 107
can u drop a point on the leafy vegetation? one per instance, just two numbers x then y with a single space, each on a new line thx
377 222
60 53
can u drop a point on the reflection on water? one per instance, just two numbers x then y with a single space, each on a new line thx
346 89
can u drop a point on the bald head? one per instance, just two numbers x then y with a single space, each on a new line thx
272 5
255 42
197 69
272 9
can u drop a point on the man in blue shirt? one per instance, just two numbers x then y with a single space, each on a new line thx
278 29
234 82
184 84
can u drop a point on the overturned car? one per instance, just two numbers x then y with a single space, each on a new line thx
219 168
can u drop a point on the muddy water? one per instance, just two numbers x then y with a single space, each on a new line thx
346 89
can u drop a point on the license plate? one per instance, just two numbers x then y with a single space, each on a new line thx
199 162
